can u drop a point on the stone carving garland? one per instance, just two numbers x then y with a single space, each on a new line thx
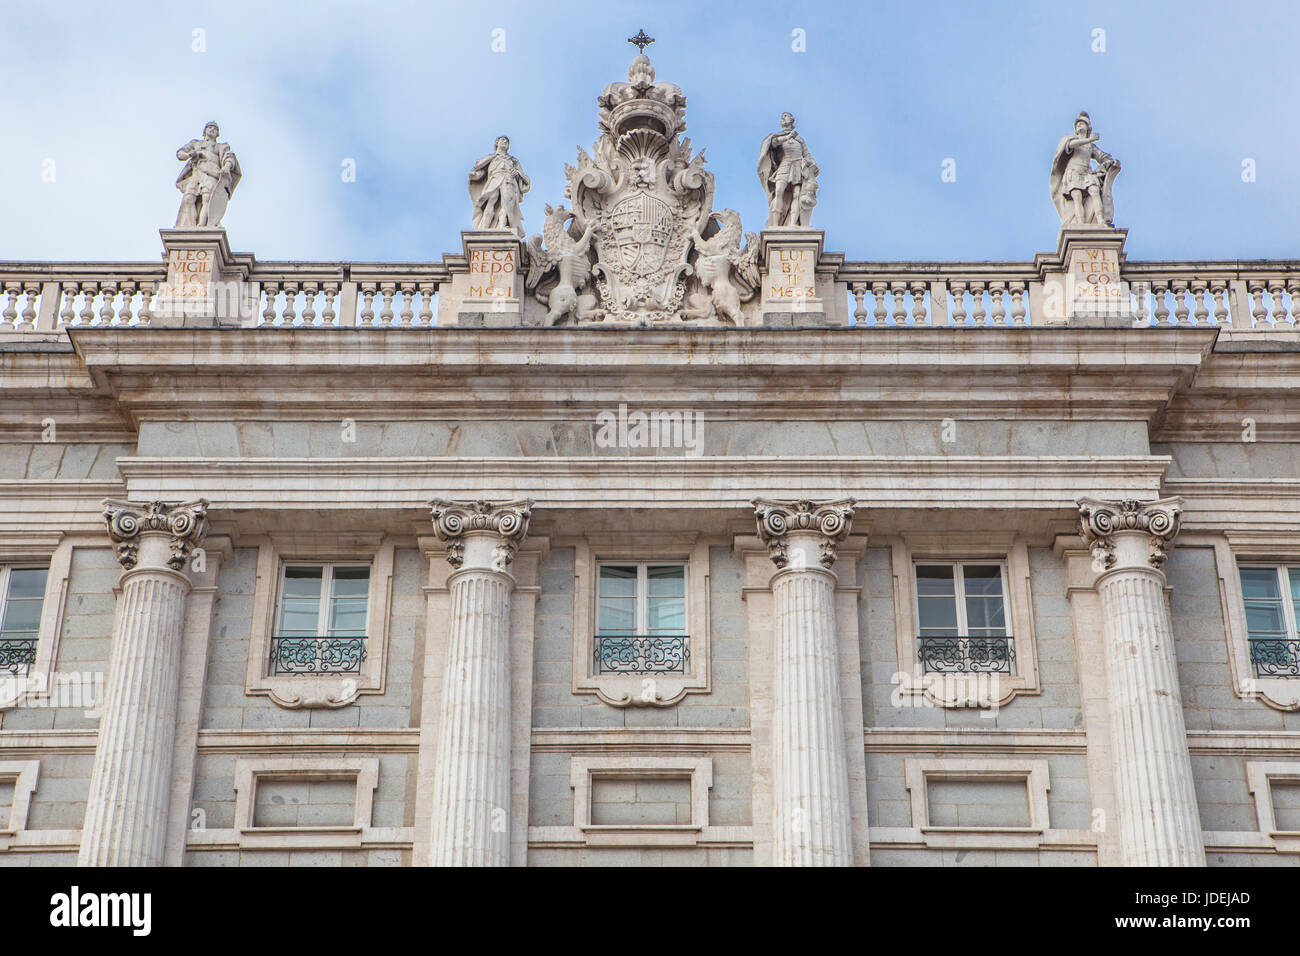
186 523
642 244
1100 520
833 520
452 520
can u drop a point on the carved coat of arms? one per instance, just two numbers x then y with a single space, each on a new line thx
643 215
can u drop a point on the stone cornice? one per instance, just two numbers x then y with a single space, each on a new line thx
668 482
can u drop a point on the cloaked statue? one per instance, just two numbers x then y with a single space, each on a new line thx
1080 191
497 185
789 176
207 181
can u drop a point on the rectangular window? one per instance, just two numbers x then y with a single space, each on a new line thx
962 621
322 619
641 618
1272 595
22 597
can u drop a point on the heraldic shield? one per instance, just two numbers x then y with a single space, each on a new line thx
643 225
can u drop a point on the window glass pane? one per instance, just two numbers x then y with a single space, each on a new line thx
302 582
617 616
348 614
666 580
985 616
934 579
617 581
352 582
982 579
667 615
27 583
21 615
1295 588
938 616
1264 619
1259 583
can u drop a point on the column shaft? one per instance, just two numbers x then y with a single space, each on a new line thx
812 824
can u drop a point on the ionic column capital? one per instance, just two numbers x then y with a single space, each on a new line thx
1106 525
783 525
131 524
479 535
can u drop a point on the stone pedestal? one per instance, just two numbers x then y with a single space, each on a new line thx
1155 799
487 285
811 812
789 279
471 781
1082 283
207 284
130 783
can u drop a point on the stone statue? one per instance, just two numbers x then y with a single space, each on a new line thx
789 176
569 258
206 183
1082 193
497 184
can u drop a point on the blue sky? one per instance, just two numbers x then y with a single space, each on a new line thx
885 92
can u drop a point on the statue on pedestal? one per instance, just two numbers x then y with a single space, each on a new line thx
207 181
1082 193
789 176
497 185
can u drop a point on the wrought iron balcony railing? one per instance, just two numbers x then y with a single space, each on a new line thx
317 655
643 654
966 655
1275 657
17 655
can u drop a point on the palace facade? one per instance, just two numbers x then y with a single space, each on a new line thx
649 541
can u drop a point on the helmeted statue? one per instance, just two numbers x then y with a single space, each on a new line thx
207 181
1080 192
497 185
789 176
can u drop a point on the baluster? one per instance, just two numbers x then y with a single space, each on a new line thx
408 304
123 316
108 308
29 307
1179 287
999 311
146 303
69 292
878 290
977 302
290 300
268 314
958 302
1161 312
859 290
427 290
1293 290
89 291
1219 294
1279 306
386 292
309 291
367 307
329 315
1018 311
1138 290
898 290
10 315
1255 289
1201 313
918 304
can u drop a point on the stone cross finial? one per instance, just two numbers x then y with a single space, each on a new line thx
641 41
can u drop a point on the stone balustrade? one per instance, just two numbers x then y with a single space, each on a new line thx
1257 298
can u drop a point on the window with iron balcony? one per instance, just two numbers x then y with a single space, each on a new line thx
963 626
321 619
641 619
1271 594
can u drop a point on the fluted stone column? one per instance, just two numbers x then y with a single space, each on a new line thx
1158 822
811 815
130 784
471 799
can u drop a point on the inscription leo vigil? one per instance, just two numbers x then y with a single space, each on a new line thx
189 273
492 272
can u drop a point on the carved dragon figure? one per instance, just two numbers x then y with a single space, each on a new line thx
728 274
569 258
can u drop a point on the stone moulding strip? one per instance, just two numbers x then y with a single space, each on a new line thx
970 741
605 482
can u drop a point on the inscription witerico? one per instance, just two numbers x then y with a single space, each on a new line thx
1094 275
